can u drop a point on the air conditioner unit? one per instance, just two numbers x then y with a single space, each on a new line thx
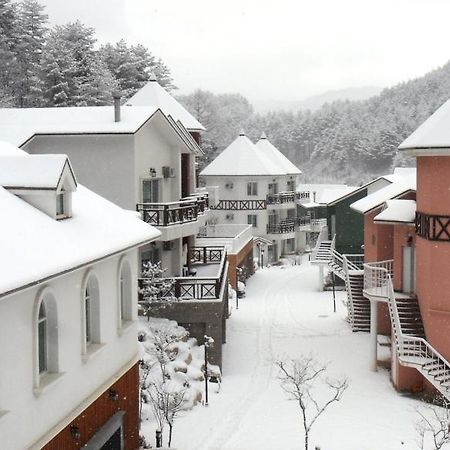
229 216
168 172
229 185
168 245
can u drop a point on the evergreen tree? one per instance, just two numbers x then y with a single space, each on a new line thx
30 39
8 63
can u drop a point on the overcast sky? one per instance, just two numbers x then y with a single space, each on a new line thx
279 49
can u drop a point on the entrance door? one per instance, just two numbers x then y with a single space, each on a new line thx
150 191
409 270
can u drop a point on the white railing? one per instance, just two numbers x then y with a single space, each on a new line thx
376 277
417 352
323 236
232 236
354 261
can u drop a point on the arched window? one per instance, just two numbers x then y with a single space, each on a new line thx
90 316
125 306
46 338
42 339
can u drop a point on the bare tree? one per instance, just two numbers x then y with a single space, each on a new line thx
434 425
298 378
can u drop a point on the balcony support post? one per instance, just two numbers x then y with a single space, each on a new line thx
373 335
321 278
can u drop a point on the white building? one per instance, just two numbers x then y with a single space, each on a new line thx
257 186
139 157
68 264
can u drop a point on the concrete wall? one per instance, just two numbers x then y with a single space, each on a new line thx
32 413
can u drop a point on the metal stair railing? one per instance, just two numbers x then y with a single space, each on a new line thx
376 277
417 352
323 236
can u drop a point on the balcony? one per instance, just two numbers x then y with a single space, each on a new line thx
284 198
209 283
231 236
173 218
377 278
284 227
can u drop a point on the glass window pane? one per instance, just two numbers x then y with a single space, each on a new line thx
42 344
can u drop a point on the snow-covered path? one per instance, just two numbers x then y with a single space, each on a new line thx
283 315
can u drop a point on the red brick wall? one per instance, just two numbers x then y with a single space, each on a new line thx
98 413
378 239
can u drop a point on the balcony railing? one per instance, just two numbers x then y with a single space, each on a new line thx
241 205
232 236
174 213
376 278
196 287
285 226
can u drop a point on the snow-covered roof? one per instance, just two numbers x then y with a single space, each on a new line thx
398 211
7 149
243 157
393 191
434 133
18 125
33 172
152 94
332 195
274 155
97 229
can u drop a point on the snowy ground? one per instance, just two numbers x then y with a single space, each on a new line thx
284 315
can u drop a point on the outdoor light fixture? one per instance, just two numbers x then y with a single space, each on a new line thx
113 395
75 432
152 172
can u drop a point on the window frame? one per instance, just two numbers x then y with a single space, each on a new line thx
252 188
45 377
125 310
253 223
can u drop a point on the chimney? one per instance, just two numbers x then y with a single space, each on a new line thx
116 97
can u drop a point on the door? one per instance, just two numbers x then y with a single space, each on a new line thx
150 191
273 188
409 270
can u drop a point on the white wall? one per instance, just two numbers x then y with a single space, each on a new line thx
30 416
103 163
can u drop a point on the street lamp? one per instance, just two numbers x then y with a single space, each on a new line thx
209 342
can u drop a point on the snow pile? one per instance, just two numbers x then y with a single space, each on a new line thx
171 375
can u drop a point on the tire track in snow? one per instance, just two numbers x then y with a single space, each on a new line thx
261 374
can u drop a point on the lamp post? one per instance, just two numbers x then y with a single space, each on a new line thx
209 342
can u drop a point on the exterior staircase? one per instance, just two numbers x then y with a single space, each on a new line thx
412 348
358 306
348 268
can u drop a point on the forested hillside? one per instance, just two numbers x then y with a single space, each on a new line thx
343 141
61 66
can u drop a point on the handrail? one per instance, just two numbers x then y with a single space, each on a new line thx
376 277
323 236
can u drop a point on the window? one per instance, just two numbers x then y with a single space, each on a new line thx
252 219
90 315
289 246
252 188
46 341
125 310
42 339
273 188
150 191
290 186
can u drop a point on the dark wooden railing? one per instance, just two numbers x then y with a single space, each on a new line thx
207 255
432 227
245 205
173 213
285 197
193 287
286 226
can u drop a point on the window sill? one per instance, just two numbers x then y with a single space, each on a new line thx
47 381
125 327
91 351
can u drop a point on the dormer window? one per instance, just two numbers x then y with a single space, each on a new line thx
60 205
